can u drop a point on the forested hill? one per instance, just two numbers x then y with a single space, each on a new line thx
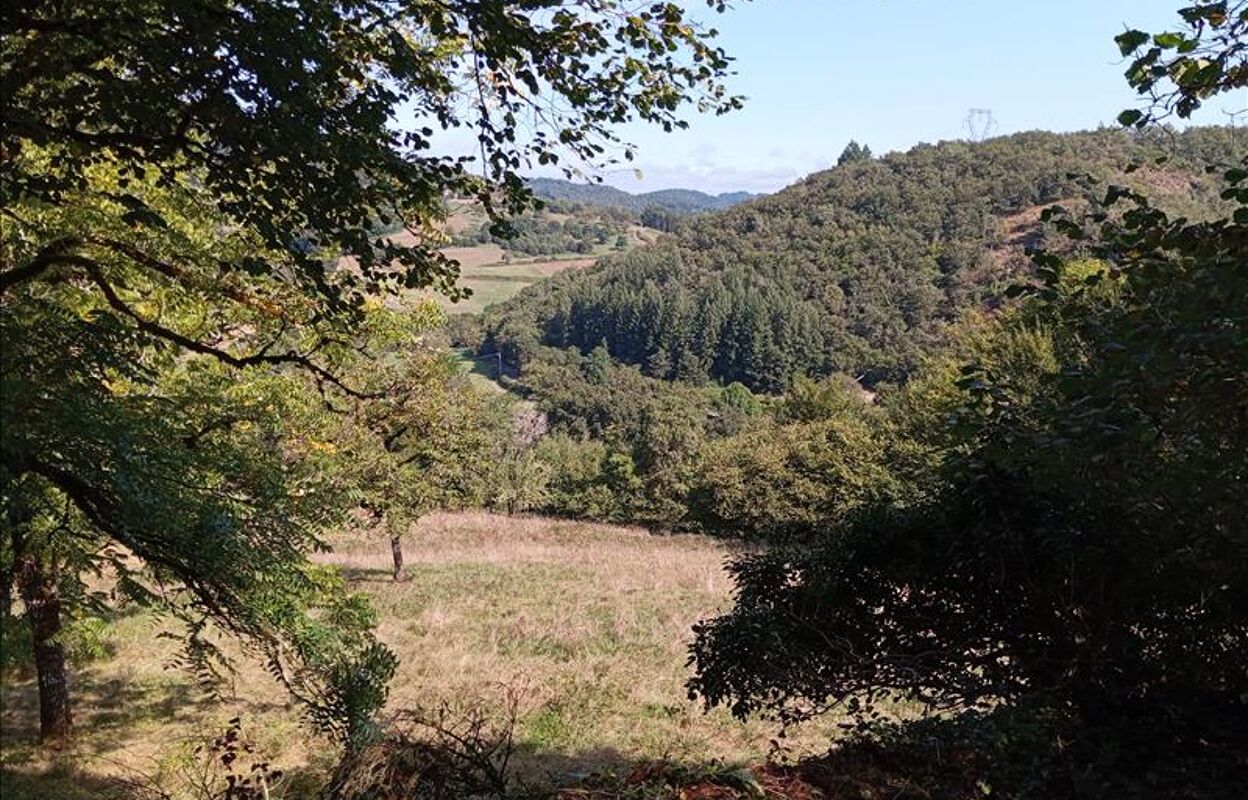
678 201
858 269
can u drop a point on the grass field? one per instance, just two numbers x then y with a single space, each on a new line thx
586 624
495 275
493 280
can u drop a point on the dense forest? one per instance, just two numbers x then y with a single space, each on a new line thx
859 269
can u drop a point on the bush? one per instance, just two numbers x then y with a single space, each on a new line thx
785 483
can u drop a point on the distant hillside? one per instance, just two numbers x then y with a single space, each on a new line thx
857 269
679 201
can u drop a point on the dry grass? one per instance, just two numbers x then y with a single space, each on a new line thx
588 623
483 270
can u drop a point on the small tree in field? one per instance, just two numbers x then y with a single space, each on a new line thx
421 445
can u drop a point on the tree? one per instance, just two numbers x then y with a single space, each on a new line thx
418 445
782 484
120 443
841 274
660 219
519 478
196 187
854 153
283 112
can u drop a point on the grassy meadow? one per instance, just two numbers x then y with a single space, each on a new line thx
585 626
494 275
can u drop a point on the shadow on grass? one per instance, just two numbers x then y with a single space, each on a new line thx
60 782
367 574
110 704
65 781
534 766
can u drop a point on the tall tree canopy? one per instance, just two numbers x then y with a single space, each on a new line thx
292 114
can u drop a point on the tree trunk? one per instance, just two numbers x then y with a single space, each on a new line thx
40 594
396 550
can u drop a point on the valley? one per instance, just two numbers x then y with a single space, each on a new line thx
348 454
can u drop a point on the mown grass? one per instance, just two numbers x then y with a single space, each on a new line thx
585 625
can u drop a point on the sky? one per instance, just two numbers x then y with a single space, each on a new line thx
891 74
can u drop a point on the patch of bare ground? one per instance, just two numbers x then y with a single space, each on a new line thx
479 256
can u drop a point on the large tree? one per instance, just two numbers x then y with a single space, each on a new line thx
190 194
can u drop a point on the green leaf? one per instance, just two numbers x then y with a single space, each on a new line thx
1169 40
1130 117
1130 41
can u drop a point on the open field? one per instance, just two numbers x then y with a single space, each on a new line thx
586 624
495 275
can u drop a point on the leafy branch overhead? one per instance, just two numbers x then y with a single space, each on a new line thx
311 123
1178 70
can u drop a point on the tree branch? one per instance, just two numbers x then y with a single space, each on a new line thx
195 346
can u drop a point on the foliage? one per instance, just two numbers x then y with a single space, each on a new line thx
1075 541
660 219
1178 70
110 432
1078 536
1067 565
589 479
519 477
283 113
538 234
785 483
194 197
651 435
420 442
861 269
854 153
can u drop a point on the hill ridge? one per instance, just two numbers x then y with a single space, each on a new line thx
859 269
677 200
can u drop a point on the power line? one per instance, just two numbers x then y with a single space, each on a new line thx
1234 116
979 123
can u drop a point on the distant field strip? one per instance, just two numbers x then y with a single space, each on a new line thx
492 281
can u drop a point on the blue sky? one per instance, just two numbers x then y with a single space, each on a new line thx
892 73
